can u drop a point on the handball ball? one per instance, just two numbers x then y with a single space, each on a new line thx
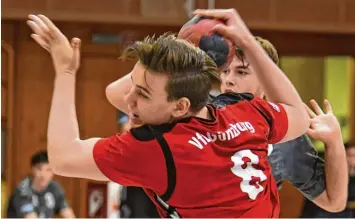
199 31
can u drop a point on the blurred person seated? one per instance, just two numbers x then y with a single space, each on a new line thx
310 210
39 196
134 201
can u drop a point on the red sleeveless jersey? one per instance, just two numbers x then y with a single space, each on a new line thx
218 168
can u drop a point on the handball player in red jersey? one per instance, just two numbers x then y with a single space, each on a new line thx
192 158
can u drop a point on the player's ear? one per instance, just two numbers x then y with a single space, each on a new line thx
182 107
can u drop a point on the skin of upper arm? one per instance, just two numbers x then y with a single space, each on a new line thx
296 126
80 162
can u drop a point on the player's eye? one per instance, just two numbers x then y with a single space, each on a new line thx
243 73
140 93
226 71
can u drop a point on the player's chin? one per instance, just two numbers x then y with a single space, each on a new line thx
137 122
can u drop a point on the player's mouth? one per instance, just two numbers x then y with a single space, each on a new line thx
229 91
133 115
135 118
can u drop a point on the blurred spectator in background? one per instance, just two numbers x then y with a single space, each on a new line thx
134 202
310 210
39 196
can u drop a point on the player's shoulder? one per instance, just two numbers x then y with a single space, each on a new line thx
24 187
231 98
25 183
54 186
149 132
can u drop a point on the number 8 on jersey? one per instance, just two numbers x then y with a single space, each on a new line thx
243 168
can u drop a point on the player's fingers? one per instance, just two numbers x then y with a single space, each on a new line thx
328 106
216 13
53 30
47 21
316 107
44 30
310 112
37 29
223 30
311 132
42 42
74 65
39 22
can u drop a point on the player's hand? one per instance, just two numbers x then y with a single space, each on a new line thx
235 28
324 126
65 54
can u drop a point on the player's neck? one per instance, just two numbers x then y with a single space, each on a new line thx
38 187
204 113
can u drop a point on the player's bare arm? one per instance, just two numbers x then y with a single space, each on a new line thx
30 215
277 86
325 127
63 132
67 213
117 90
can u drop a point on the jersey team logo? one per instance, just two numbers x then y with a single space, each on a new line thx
276 107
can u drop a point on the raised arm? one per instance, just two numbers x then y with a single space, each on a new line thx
325 128
68 154
277 86
116 91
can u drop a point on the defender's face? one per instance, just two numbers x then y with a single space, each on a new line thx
240 77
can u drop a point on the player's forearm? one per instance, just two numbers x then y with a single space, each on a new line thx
116 91
278 88
63 128
336 173
275 83
67 213
31 215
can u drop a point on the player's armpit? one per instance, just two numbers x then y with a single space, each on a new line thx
80 162
298 123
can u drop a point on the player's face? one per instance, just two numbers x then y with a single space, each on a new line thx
42 174
350 154
147 100
240 78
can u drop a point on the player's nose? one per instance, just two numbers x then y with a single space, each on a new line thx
130 99
230 80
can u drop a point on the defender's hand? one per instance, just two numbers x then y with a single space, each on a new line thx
65 55
324 126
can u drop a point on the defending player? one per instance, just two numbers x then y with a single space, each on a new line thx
297 160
